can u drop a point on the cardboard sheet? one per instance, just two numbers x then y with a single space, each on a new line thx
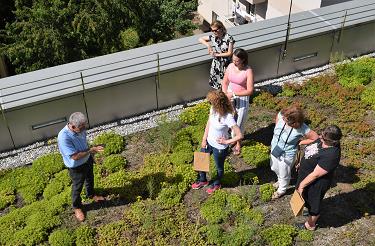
297 203
201 161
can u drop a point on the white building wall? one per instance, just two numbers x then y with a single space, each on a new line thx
278 8
223 8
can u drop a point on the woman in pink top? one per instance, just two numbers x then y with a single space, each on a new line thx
238 85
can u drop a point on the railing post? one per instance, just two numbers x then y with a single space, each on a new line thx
84 99
287 32
157 79
7 125
342 27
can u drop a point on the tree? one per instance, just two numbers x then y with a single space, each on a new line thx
52 32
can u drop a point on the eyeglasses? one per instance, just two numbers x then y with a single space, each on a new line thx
215 30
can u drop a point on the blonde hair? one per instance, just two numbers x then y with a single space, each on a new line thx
219 25
220 102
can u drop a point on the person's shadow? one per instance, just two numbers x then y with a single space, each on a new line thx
344 208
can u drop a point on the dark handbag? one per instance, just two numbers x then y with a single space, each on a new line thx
277 151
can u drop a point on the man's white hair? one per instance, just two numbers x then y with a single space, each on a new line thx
77 118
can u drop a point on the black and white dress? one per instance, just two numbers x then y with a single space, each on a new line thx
219 64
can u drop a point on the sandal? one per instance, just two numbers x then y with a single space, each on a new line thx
277 195
302 226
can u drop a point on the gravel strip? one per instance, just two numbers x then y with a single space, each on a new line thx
25 156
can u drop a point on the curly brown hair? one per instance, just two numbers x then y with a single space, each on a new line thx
294 116
220 102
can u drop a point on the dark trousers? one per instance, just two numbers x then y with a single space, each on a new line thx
80 175
219 157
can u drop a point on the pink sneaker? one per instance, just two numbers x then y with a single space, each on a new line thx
213 188
198 185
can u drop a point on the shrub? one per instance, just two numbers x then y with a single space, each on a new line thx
266 191
113 234
213 209
266 100
57 184
242 234
256 154
169 197
49 164
282 235
368 95
196 115
62 237
114 143
129 38
114 163
305 235
251 215
7 196
166 133
32 181
290 89
214 234
359 72
85 236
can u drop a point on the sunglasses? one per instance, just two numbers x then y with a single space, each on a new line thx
215 30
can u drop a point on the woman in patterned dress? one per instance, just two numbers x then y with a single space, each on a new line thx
221 50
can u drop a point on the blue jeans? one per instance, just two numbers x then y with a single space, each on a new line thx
219 157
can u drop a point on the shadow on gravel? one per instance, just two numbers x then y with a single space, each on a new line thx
344 208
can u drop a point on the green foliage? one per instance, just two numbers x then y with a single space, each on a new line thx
48 33
266 191
31 183
150 221
114 143
62 237
290 90
366 182
85 236
31 224
220 205
357 73
214 234
368 95
169 197
279 235
113 234
305 235
251 216
196 115
242 234
114 163
57 184
266 100
256 154
166 133
213 209
7 196
129 38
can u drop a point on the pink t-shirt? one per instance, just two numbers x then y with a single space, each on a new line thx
237 79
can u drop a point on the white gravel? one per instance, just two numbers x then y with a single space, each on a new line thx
24 156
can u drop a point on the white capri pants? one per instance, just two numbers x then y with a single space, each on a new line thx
282 167
241 104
